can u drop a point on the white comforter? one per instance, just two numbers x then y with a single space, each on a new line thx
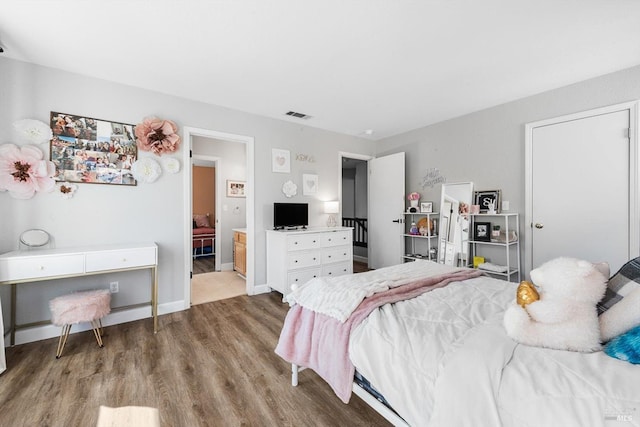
443 359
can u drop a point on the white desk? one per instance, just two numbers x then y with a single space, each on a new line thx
46 264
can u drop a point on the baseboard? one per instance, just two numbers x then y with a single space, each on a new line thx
261 289
227 266
44 332
363 259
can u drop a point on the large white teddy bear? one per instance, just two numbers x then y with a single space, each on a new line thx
565 316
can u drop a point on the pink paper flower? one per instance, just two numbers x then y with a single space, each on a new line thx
413 196
157 135
23 171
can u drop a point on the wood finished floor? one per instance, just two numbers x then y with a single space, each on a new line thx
212 365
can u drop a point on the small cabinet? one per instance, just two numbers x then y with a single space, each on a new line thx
240 251
494 241
421 243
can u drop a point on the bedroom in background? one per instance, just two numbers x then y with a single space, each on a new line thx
355 209
216 164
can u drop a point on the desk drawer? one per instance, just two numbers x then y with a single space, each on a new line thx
336 238
37 267
127 258
303 259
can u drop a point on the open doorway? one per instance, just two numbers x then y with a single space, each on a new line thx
354 200
223 160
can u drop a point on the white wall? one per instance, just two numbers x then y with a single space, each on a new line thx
148 212
487 147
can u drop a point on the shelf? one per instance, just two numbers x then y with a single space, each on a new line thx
421 213
425 257
419 236
482 242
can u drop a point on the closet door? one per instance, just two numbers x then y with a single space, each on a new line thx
580 178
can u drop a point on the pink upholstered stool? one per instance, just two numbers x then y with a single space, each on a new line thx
87 306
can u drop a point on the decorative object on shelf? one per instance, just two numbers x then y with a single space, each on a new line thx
432 177
426 207
475 209
489 201
425 224
88 150
309 184
477 260
23 171
280 160
463 209
157 135
66 189
171 164
495 233
289 188
481 231
146 170
412 209
413 199
331 208
414 229
235 188
29 131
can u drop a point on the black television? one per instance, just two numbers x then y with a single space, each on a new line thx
290 215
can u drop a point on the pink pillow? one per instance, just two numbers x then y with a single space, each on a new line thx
202 221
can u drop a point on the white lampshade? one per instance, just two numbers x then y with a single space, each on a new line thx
332 207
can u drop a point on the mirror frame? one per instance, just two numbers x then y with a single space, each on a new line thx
454 194
35 238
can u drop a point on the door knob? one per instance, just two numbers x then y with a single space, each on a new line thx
397 220
538 225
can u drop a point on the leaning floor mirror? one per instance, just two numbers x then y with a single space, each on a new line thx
453 236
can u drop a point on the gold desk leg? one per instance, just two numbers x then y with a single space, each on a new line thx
13 314
154 298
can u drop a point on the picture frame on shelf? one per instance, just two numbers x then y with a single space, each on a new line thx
426 207
485 199
482 231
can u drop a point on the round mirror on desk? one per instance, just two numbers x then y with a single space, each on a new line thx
34 238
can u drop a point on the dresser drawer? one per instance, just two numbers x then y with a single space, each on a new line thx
303 259
300 277
336 238
303 241
337 269
120 259
338 254
37 267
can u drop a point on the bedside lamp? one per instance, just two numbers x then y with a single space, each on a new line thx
331 208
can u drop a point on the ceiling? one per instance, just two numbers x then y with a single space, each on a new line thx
385 66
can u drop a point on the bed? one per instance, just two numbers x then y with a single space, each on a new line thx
203 236
442 357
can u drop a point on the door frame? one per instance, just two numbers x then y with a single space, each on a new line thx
188 133
220 189
634 183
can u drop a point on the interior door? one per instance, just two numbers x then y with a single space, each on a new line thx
386 206
580 190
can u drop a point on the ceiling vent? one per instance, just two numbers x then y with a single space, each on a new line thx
298 115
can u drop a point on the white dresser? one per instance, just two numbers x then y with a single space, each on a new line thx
300 255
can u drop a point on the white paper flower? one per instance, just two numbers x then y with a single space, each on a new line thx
66 189
30 131
171 164
146 170
289 189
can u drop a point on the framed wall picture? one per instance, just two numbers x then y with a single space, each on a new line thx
92 151
280 160
485 199
309 184
426 207
235 188
482 231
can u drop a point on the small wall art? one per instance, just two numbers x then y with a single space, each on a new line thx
280 160
236 188
309 184
488 199
426 207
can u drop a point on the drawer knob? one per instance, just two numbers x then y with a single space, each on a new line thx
41 267
314 258
295 243
315 276
330 273
329 239
296 280
295 261
124 260
314 241
329 256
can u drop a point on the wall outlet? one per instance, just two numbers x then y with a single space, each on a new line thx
505 205
114 287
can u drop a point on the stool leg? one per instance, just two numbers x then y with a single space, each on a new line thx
64 334
96 332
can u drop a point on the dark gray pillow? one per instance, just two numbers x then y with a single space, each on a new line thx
621 284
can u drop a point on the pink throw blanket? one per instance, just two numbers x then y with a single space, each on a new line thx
321 343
